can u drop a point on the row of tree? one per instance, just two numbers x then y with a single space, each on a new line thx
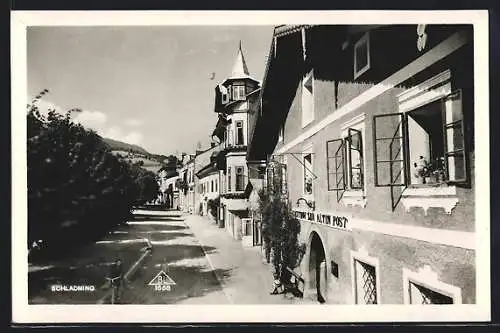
77 189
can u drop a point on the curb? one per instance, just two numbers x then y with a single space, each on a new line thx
219 278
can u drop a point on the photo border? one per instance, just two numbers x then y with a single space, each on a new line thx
22 312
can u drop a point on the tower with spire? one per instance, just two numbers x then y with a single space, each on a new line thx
235 96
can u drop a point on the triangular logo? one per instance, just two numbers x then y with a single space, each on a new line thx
161 279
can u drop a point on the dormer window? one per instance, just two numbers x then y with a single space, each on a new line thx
239 93
362 55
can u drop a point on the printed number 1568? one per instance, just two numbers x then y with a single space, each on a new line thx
162 288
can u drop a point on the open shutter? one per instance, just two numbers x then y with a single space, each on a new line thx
336 166
454 138
355 158
389 133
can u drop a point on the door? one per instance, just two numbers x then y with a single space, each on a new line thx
321 281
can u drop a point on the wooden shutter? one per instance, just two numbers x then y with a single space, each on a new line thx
454 139
355 144
390 142
335 150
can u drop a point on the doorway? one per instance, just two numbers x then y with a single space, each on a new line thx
317 268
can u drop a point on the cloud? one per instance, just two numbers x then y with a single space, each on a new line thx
44 107
99 122
133 137
95 120
132 122
116 133
190 51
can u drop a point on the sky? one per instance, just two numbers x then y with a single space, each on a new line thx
147 85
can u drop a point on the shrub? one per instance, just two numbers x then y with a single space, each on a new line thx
213 206
280 230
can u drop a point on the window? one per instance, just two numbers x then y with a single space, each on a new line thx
240 182
281 133
239 133
239 93
422 295
308 174
224 94
362 55
424 287
230 136
229 179
211 186
215 185
307 99
422 146
365 283
345 163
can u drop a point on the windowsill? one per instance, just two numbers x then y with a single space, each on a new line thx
430 190
430 195
354 198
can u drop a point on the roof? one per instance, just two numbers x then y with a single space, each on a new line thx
240 68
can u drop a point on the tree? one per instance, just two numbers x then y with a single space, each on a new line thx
280 230
213 206
146 185
77 189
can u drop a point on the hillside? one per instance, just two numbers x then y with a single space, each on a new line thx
116 145
137 154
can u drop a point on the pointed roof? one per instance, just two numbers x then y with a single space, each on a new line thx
240 69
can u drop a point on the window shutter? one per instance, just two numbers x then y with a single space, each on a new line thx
355 144
454 139
332 149
335 150
389 131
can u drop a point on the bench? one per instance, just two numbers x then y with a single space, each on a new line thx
294 287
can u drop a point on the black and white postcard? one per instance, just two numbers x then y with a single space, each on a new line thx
250 166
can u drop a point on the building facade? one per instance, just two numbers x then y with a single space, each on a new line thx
168 188
186 184
374 125
207 179
234 100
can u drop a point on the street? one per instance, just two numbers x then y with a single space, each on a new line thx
206 264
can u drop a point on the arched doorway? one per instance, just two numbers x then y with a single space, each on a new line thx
317 267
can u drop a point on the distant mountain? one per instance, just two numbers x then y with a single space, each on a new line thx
126 147
137 154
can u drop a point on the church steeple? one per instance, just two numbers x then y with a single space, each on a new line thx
240 69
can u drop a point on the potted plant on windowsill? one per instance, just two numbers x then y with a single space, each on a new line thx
438 170
422 171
